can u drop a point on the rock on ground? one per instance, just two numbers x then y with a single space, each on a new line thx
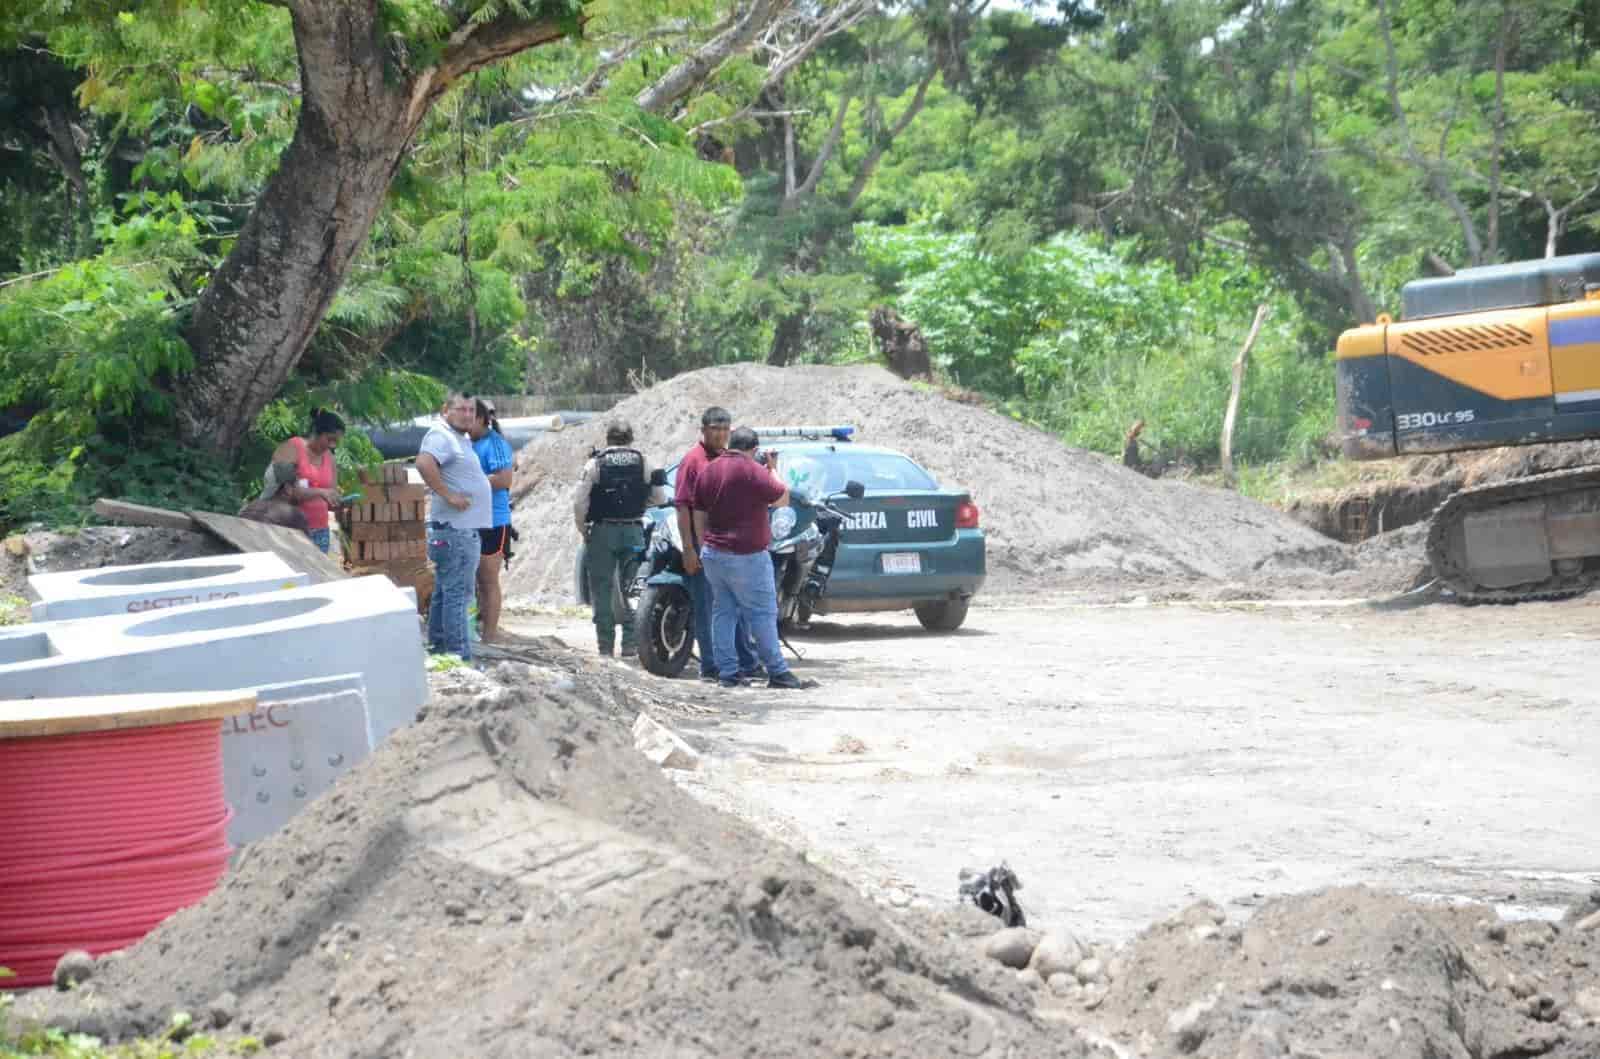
74 968
1057 953
662 746
1053 515
1012 946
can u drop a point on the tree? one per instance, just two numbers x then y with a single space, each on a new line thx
368 75
912 52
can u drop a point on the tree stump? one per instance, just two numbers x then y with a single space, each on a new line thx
901 343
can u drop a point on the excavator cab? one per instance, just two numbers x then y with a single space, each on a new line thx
1500 355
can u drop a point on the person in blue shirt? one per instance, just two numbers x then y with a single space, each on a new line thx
494 454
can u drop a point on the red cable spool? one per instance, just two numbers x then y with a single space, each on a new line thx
112 817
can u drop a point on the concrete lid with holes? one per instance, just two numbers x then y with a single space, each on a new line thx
147 587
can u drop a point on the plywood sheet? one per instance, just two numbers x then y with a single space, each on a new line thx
290 545
141 515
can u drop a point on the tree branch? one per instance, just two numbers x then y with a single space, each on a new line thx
841 18
1501 46
474 47
697 68
1434 174
829 145
869 164
838 20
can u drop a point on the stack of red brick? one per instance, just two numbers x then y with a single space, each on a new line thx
388 529
389 521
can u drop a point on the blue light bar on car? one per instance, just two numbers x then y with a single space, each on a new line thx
842 432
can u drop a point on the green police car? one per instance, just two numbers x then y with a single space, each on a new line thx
907 543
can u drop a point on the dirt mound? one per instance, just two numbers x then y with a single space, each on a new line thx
1054 515
1370 508
1498 465
509 877
1356 972
94 546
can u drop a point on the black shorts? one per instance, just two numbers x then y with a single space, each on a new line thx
494 541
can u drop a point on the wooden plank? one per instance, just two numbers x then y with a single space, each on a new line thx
292 546
140 515
29 718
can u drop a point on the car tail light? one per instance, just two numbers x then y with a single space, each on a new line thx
967 515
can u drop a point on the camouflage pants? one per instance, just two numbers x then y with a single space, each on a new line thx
613 547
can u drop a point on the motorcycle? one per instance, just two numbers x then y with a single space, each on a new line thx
805 540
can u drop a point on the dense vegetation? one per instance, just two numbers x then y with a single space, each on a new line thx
1079 205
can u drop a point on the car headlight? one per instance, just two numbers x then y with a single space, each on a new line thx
783 520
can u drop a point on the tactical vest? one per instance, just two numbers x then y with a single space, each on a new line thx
622 491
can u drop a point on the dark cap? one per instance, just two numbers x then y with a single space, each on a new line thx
618 432
716 416
743 440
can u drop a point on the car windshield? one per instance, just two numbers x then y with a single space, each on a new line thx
827 472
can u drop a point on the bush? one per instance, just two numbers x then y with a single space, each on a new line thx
1082 339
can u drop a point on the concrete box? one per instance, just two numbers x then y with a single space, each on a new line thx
300 738
361 625
158 586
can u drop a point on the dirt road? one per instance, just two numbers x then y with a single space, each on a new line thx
1126 760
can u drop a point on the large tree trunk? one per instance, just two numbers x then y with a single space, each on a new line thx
360 108
786 339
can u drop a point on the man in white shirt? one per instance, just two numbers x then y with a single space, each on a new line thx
459 506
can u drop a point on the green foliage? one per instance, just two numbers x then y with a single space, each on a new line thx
380 396
1052 218
14 610
1084 340
178 1041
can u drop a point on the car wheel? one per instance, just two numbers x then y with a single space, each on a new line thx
663 629
945 616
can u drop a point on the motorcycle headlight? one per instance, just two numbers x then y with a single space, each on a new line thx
783 519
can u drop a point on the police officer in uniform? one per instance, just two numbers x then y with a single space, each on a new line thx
618 483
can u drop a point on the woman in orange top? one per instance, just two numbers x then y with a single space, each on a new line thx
316 477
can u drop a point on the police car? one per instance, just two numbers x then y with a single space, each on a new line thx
908 544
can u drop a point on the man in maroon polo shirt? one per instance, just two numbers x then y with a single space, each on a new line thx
715 423
730 501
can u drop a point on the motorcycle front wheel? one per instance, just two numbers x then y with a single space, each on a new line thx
663 629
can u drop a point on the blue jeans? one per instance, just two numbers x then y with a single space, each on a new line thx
454 553
742 587
700 602
321 538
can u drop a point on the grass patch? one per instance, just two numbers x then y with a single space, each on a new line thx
14 610
179 1041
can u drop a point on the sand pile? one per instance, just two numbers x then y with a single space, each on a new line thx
509 877
1054 516
1356 972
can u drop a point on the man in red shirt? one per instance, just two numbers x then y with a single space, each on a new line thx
730 501
715 423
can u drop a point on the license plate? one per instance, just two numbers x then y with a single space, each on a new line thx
902 563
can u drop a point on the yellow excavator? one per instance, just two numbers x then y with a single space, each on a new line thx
1499 355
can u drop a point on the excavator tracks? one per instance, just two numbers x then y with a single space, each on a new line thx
1453 569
